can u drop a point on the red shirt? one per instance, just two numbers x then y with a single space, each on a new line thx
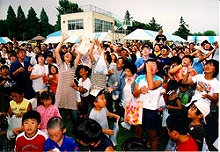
35 143
189 145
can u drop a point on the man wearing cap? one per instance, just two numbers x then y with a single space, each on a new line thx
145 51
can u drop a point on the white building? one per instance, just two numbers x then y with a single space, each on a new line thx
92 20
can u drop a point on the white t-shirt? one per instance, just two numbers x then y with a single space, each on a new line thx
85 84
204 86
38 83
152 97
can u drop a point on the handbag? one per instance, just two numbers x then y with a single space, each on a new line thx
133 112
101 66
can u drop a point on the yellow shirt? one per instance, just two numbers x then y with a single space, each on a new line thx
157 53
19 108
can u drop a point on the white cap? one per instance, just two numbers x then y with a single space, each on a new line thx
203 107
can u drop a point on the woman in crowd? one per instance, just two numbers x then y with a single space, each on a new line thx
66 95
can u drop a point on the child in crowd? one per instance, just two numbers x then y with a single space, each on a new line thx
207 86
177 128
53 78
57 141
39 73
84 89
31 139
180 70
173 103
100 113
197 112
89 133
183 93
18 106
5 84
47 110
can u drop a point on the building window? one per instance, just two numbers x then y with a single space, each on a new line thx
75 24
102 26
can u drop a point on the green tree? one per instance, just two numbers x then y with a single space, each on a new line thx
65 8
197 34
3 29
45 27
11 23
183 31
32 25
209 33
136 25
21 22
153 25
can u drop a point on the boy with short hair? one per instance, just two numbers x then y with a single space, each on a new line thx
31 139
57 140
197 112
89 133
18 106
177 127
100 113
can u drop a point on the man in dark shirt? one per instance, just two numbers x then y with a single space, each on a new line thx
160 38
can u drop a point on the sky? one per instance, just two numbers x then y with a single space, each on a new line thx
200 15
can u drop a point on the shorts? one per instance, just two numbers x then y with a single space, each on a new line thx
150 119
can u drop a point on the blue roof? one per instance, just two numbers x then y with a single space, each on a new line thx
57 33
4 40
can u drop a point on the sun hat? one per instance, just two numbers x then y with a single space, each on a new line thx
203 107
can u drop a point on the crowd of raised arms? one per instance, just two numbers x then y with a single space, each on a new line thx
90 84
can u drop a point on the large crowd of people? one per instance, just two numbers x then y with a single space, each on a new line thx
42 84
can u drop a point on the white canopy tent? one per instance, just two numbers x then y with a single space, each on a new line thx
53 39
140 34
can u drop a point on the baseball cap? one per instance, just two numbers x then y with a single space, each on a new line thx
203 107
96 91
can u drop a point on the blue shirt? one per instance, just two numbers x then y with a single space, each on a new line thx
68 144
138 63
198 66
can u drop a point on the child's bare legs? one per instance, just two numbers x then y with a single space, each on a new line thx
152 134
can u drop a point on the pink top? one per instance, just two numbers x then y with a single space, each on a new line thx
46 114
